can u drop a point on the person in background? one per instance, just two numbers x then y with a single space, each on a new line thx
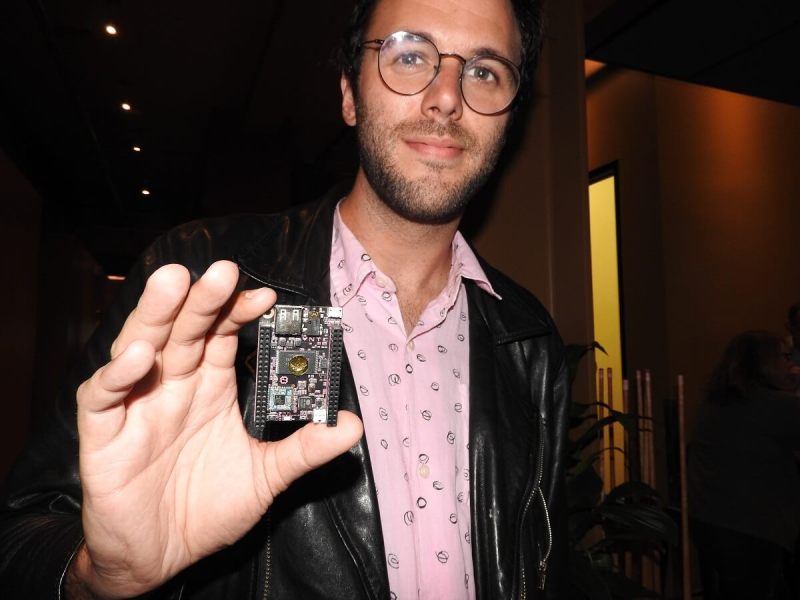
744 486
793 354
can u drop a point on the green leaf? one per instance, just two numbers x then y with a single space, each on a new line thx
573 353
631 490
578 465
592 432
650 522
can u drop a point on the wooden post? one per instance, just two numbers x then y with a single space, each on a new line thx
601 389
686 574
648 412
640 425
626 408
644 454
611 461
651 460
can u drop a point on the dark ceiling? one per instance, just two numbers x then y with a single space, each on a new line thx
235 105
747 46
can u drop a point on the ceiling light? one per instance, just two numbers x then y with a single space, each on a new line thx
145 192
125 106
137 149
115 277
111 30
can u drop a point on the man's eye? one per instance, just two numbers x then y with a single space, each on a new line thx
482 74
409 59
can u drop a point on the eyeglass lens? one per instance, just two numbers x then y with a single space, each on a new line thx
408 63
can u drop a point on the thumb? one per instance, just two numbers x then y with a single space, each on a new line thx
306 449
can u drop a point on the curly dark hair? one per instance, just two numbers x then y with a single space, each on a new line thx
530 19
751 360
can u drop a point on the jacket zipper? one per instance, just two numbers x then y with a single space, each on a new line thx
537 488
523 594
546 557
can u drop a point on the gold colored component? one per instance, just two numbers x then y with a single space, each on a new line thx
298 365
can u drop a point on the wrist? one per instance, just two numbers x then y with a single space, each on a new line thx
79 576
75 587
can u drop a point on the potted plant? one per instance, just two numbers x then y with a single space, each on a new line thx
609 531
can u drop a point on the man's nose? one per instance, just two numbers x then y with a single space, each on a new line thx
442 100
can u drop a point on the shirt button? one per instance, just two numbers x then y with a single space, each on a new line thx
411 345
424 471
380 282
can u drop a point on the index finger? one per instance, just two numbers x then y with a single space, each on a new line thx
155 313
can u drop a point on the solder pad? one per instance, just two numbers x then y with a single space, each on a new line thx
299 361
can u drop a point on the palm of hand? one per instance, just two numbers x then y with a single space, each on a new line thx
169 473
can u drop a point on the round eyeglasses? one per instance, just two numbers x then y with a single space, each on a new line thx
408 63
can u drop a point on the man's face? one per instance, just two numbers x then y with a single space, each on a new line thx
426 155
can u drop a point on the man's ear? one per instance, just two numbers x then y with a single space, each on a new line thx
348 101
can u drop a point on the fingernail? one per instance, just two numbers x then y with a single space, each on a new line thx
253 293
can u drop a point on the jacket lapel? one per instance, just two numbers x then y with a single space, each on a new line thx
357 520
501 430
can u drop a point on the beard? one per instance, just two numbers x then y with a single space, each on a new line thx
429 199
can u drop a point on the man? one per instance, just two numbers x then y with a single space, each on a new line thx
455 489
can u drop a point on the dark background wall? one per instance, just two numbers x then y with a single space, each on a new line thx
19 265
709 211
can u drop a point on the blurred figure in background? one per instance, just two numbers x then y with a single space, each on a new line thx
744 486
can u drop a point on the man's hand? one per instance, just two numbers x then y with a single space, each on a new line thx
168 471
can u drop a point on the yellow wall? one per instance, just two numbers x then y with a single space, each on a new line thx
606 303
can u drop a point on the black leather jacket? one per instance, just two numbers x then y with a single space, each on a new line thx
322 537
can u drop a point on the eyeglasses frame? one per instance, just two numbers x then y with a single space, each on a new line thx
461 59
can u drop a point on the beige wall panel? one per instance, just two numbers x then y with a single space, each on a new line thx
537 228
731 217
710 207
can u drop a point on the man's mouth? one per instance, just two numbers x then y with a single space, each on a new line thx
435 147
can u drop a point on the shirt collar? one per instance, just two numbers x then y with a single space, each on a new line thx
466 265
351 265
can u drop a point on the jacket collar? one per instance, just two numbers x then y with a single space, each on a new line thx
293 254
511 319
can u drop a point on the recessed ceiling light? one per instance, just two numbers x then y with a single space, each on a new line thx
145 192
125 106
115 277
137 149
111 30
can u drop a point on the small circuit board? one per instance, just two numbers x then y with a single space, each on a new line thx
299 362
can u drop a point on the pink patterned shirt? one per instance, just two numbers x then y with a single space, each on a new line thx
413 394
